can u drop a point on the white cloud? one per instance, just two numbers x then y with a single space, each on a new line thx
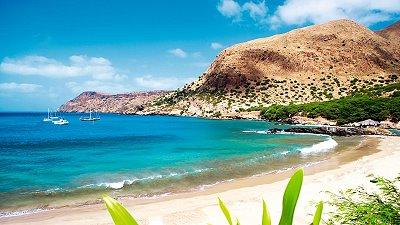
257 11
18 87
162 83
98 68
230 9
216 45
299 12
178 53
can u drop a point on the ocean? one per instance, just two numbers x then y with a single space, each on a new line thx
43 165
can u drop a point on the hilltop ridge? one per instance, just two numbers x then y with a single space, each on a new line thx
315 63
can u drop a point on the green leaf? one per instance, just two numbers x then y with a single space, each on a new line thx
225 211
118 213
237 222
290 197
318 213
266 218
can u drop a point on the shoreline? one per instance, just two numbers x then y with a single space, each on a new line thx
372 148
210 187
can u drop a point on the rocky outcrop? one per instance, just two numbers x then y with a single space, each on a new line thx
391 33
128 103
335 130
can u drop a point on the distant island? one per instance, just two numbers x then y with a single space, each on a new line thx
281 77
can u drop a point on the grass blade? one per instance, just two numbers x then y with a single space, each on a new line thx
290 197
225 211
318 213
237 222
119 214
266 218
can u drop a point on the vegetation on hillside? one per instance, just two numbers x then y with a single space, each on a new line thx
378 103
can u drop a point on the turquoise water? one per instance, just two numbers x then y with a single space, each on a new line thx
42 164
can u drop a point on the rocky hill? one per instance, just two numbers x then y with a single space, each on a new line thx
392 33
315 63
129 103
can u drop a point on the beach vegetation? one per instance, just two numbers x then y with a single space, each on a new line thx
359 206
121 216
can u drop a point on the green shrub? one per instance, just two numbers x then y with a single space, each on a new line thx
368 104
359 206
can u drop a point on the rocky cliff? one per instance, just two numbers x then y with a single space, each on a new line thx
129 103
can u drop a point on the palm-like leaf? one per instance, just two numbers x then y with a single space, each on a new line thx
119 214
225 210
318 213
290 197
266 218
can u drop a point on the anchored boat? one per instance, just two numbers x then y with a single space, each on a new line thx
90 118
61 121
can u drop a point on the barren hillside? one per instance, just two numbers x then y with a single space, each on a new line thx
314 63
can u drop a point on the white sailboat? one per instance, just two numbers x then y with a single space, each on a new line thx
55 117
90 118
48 118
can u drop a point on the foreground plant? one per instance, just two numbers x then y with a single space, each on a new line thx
118 213
290 198
359 206
122 217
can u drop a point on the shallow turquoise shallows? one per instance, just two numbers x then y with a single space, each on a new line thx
136 155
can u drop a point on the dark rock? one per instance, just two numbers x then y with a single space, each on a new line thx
274 130
333 131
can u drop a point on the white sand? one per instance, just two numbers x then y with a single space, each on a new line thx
243 197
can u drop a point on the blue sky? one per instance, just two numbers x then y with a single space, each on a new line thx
50 51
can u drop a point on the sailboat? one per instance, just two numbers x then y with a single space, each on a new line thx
55 117
48 118
90 118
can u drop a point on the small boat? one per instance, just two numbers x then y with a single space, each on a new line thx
90 118
61 121
48 118
54 117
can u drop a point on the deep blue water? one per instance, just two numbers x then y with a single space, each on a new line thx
145 154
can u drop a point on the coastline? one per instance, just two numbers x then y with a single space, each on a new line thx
242 196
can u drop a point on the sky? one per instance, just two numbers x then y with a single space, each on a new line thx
51 51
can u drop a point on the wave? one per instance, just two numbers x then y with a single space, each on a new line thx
285 152
320 147
126 182
22 212
256 131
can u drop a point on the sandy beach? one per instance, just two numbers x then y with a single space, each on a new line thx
376 155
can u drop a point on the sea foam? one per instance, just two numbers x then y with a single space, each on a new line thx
320 147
